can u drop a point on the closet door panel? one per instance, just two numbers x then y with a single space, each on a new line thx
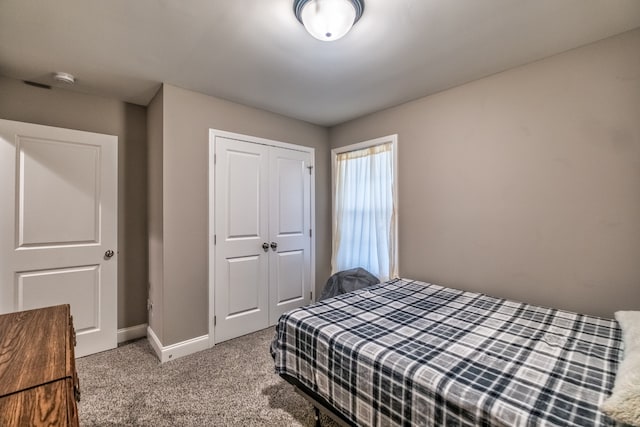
290 273
289 230
241 228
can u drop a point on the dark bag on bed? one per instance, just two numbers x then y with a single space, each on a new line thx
347 281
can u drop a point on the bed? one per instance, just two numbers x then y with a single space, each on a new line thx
410 353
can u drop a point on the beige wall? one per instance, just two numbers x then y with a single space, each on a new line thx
188 116
63 108
525 184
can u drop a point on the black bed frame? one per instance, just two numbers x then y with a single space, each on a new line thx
319 403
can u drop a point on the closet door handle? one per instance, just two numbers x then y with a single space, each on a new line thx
265 246
274 245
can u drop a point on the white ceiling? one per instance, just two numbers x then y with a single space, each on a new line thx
255 51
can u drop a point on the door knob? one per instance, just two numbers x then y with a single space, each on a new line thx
265 246
274 245
109 254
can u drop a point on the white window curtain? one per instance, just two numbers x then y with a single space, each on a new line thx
364 212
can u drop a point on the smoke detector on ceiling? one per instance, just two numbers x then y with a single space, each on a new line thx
65 78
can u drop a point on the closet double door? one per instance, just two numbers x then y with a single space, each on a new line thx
262 241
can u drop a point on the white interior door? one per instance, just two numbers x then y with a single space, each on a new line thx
58 189
290 231
241 229
262 223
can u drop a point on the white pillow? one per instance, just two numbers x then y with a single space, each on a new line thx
624 403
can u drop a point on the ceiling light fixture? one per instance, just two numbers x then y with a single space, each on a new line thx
65 78
328 20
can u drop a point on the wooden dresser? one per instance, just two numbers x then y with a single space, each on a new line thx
38 380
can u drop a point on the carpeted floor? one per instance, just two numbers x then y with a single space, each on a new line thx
232 384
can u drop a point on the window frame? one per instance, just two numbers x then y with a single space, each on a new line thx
393 139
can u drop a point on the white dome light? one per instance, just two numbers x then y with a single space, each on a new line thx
65 78
328 20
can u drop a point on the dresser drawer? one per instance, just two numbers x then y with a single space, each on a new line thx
46 405
38 381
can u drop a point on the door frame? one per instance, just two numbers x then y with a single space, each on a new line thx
213 134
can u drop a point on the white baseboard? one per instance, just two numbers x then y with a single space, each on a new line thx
177 350
155 342
132 333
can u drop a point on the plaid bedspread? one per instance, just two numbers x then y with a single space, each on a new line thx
410 353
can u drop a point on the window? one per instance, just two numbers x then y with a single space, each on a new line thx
365 207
